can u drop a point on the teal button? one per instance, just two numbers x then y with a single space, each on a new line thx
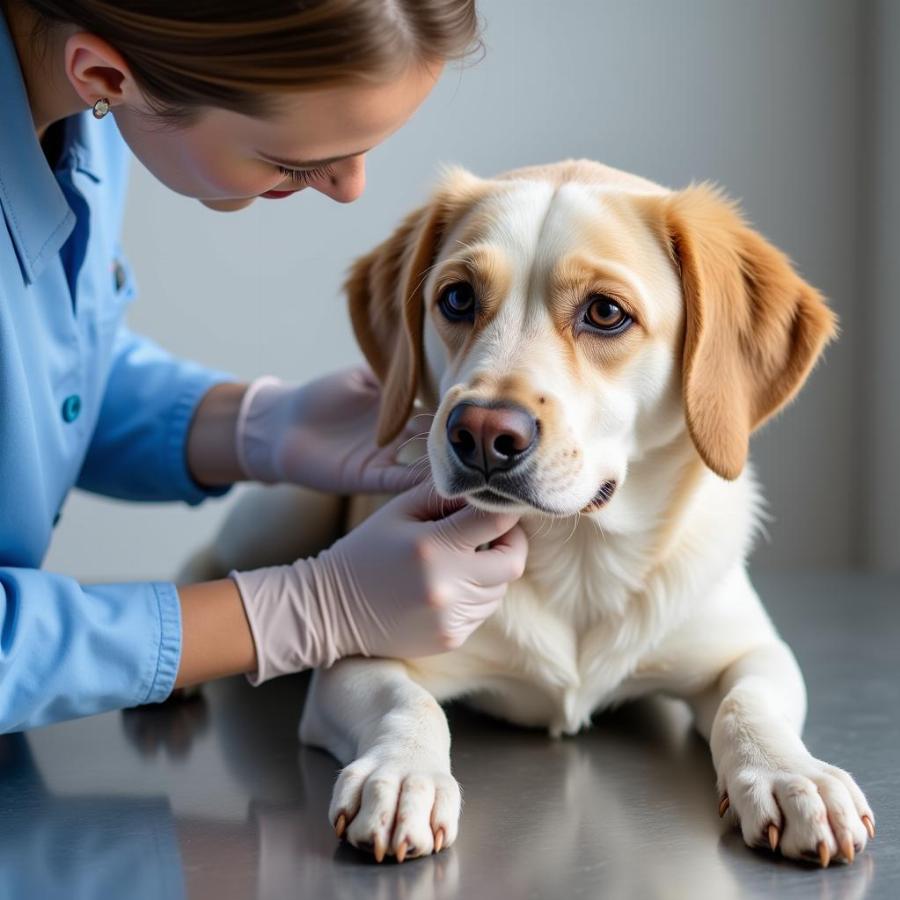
71 408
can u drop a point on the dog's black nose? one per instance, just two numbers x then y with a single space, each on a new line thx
491 438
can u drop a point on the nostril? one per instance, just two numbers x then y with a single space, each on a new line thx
463 441
506 445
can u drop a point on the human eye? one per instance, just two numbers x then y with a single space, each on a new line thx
305 176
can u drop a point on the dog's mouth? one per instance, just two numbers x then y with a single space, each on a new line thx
602 497
496 496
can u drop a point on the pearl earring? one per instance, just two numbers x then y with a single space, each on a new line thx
101 108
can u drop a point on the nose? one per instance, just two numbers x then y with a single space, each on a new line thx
491 438
348 181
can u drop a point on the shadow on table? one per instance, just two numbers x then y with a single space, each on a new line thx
81 847
624 810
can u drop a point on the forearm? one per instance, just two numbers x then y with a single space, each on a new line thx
216 639
74 650
211 444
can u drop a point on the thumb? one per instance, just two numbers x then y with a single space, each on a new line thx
386 475
423 503
469 527
393 479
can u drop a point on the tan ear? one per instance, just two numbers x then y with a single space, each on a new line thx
753 327
385 289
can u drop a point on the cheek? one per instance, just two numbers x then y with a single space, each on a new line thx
196 165
600 406
436 362
222 173
661 408
635 408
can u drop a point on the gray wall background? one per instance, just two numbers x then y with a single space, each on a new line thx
793 106
879 370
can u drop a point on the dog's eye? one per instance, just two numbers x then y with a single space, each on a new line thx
457 302
604 314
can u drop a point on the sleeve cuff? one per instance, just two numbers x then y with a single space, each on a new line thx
169 654
175 448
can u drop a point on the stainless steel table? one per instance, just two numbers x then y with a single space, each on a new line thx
213 798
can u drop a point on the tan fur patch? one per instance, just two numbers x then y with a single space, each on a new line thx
753 331
386 300
582 171
489 272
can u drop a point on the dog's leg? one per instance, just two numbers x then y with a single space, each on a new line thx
395 794
781 795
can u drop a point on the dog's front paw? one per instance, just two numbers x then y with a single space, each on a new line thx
805 808
396 807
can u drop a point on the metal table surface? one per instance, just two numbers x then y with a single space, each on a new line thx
214 798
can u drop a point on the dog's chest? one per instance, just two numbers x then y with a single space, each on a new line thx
568 633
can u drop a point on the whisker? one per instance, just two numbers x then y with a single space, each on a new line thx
599 528
408 441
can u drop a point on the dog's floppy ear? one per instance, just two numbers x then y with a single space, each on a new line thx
753 327
385 289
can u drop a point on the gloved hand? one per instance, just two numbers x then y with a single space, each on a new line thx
321 435
407 582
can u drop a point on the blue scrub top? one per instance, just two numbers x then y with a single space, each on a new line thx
83 402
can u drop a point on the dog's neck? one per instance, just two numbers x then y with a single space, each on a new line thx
593 563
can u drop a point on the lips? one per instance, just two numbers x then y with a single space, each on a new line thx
510 489
497 498
602 497
277 195
490 496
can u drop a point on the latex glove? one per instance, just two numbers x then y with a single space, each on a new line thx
405 583
321 435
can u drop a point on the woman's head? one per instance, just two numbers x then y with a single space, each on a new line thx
212 94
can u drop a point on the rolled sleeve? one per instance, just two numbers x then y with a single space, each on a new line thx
70 650
169 654
139 447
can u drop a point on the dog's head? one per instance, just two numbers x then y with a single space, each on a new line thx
566 321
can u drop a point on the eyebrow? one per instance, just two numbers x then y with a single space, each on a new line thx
309 163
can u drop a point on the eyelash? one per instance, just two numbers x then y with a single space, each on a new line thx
306 176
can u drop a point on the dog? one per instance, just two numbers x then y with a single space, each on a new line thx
594 352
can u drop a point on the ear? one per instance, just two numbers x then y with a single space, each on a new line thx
385 289
96 70
753 327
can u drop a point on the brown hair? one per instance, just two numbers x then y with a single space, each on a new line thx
236 54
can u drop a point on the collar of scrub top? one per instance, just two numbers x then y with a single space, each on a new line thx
35 209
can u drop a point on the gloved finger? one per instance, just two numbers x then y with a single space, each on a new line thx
463 618
502 562
365 377
470 527
424 504
391 479
413 439
358 386
412 443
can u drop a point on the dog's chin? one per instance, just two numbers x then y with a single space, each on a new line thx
518 497
492 501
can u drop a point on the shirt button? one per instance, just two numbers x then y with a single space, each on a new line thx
118 271
71 408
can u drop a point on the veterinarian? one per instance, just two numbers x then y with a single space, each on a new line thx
226 102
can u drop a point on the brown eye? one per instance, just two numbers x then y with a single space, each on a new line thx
604 314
